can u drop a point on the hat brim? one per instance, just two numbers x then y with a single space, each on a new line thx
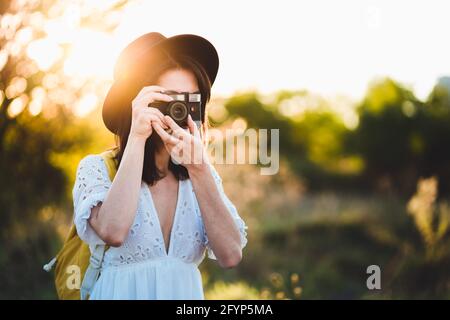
123 91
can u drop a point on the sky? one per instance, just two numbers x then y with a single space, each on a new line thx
328 47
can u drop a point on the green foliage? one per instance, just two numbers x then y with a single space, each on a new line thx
401 139
37 162
41 143
397 140
312 143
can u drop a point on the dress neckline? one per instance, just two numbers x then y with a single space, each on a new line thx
168 251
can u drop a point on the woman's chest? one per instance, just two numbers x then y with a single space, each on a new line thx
145 239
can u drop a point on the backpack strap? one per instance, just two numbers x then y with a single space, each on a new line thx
92 271
109 156
95 262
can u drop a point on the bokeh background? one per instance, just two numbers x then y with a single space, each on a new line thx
361 95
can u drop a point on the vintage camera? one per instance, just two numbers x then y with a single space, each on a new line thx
184 103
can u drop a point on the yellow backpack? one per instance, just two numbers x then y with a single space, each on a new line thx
77 269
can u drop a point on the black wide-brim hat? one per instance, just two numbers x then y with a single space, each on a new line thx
140 55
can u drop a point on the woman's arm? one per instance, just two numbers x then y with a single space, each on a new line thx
112 219
188 149
223 234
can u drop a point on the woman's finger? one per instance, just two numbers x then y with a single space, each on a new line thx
154 88
151 118
145 97
177 152
165 137
155 112
193 127
156 96
176 129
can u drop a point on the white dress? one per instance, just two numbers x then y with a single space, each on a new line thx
142 268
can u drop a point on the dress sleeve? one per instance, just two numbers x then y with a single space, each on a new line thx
240 223
91 186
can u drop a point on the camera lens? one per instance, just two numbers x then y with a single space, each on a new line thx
178 111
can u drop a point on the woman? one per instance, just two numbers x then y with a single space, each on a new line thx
162 211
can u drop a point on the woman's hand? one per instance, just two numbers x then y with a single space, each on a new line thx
143 116
185 146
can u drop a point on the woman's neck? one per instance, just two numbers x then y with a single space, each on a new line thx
162 158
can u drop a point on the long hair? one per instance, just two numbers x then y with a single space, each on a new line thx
150 173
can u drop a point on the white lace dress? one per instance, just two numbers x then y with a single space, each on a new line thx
142 268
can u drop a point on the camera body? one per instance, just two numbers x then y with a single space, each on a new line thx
183 104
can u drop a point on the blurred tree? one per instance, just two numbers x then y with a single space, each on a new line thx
39 135
397 138
311 134
439 97
387 136
401 138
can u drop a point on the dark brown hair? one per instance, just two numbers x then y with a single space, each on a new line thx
150 173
